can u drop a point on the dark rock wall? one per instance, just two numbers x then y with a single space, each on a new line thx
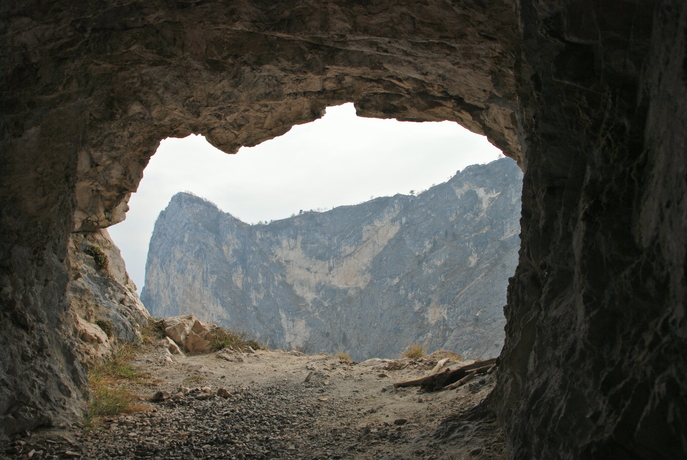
594 362
244 72
588 95
41 381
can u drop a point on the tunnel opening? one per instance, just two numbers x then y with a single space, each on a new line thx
588 97
339 160
299 171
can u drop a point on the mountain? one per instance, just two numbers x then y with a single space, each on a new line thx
369 279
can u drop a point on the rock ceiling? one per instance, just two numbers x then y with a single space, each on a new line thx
589 97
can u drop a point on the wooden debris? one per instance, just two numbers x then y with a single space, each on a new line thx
450 378
438 367
461 382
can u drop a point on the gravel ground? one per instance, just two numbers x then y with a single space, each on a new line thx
282 405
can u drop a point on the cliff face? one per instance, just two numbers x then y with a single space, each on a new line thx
103 304
589 96
370 278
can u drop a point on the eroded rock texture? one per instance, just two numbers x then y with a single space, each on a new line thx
91 88
594 362
589 95
369 279
103 302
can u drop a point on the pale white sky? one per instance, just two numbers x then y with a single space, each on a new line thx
337 160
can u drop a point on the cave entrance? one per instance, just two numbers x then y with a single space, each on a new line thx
337 160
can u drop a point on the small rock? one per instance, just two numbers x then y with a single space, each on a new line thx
173 347
372 362
225 356
204 396
223 392
400 421
196 343
160 396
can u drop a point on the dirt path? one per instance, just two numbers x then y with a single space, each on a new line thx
284 405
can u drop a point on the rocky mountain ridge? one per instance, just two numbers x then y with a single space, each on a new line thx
369 279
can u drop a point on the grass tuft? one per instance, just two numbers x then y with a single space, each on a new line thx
414 351
233 340
106 326
153 331
107 381
343 356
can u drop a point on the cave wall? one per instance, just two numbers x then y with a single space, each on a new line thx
594 362
588 96
103 304
90 88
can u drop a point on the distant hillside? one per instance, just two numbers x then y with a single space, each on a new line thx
369 278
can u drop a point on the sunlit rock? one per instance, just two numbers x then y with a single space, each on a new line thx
370 278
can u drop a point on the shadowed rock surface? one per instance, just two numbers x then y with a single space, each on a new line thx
369 279
589 96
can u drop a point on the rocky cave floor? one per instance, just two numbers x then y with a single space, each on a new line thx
281 405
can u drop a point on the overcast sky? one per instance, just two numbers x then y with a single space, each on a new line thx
337 160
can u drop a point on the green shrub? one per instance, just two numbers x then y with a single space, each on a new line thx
99 257
153 331
106 326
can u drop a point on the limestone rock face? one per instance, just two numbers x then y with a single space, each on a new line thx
589 96
102 297
370 278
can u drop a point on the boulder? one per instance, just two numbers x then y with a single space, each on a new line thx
89 332
189 333
196 343
178 327
173 347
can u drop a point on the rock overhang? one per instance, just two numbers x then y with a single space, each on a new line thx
584 95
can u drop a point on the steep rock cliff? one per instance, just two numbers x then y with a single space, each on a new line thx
103 303
370 278
589 96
